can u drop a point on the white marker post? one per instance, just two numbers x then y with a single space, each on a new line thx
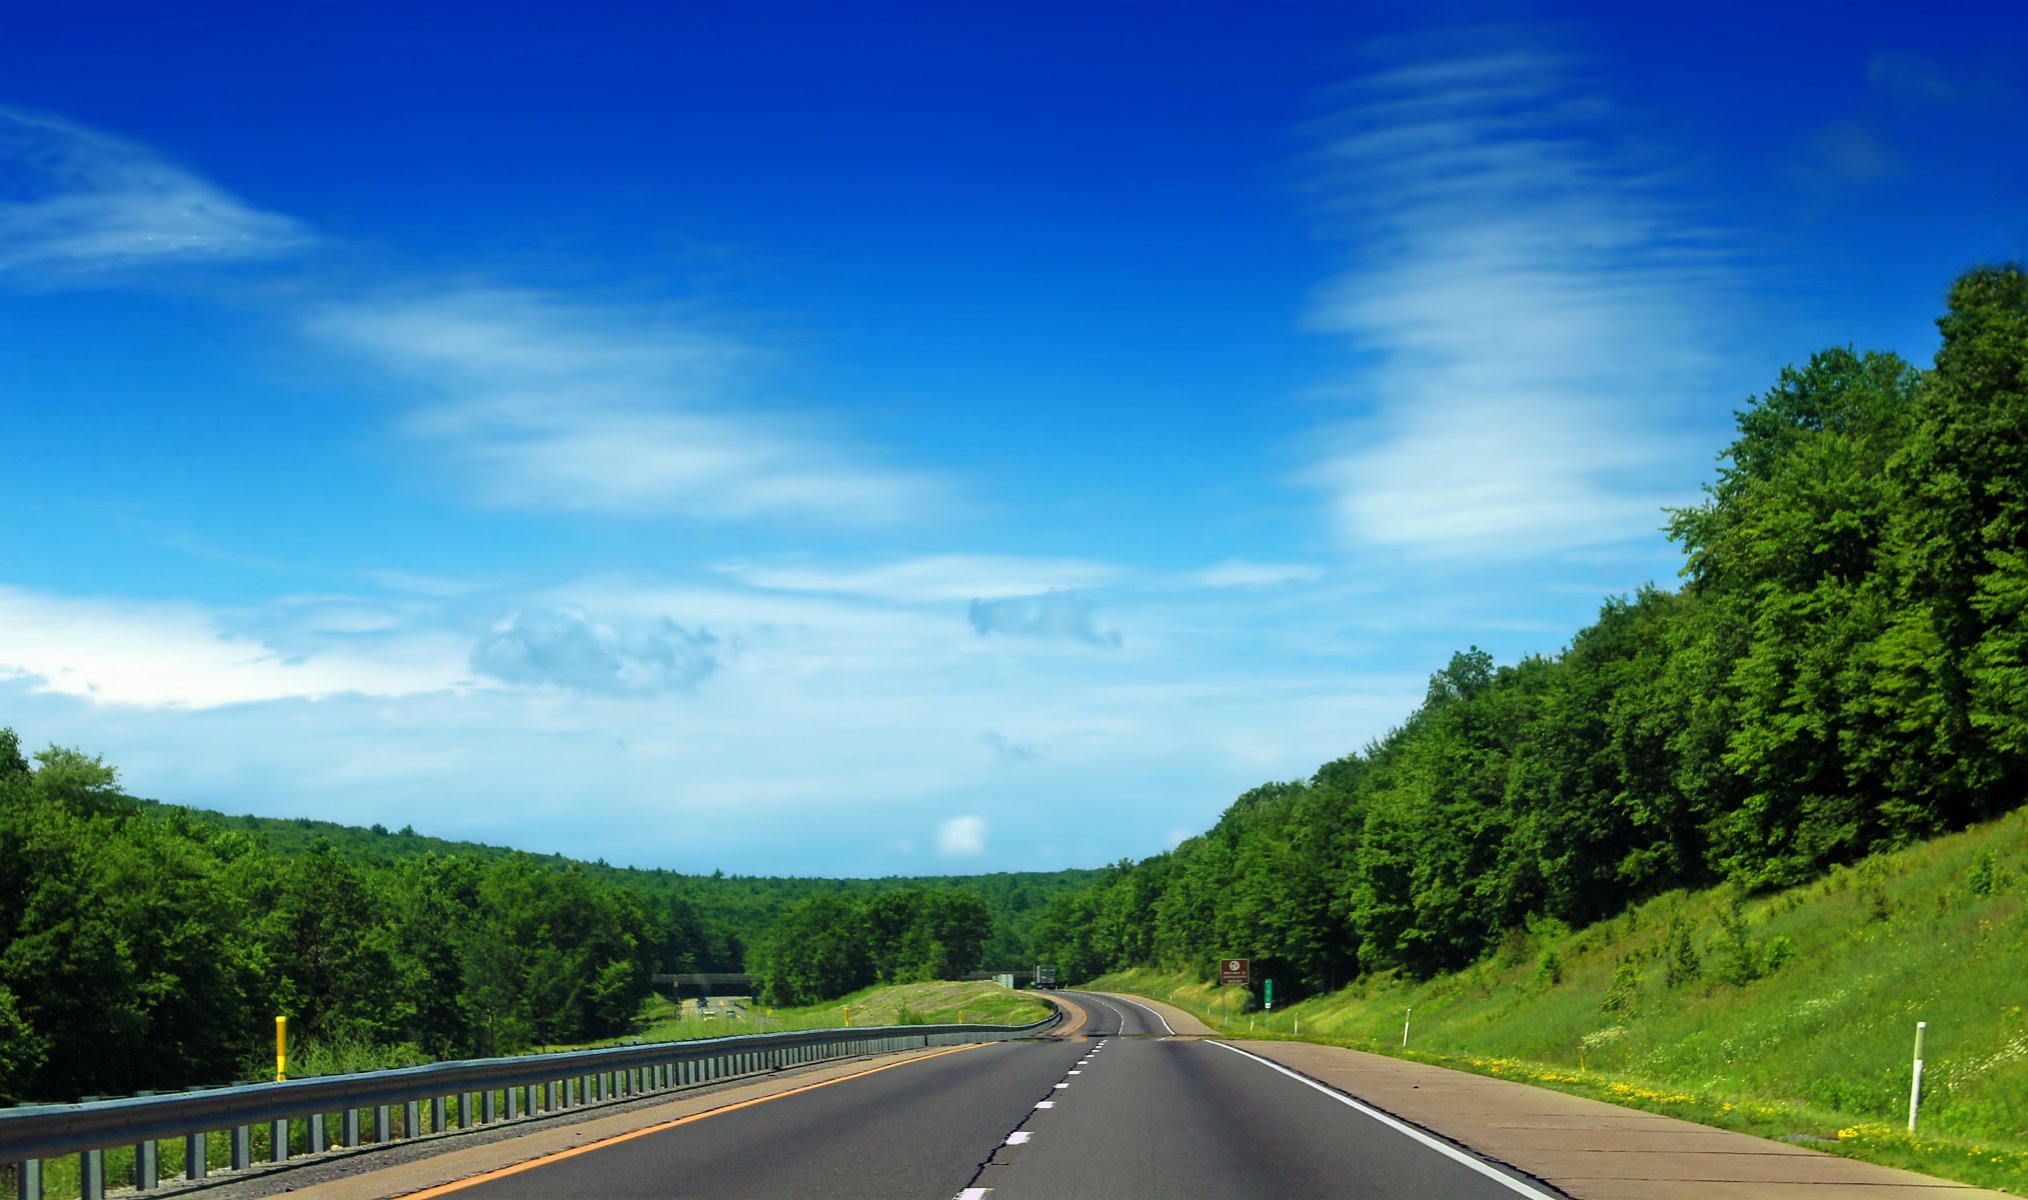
1915 1085
1405 1017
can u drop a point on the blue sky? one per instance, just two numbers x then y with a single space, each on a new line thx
899 438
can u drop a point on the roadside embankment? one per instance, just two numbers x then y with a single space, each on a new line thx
1786 1015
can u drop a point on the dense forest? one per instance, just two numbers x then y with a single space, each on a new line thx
140 949
1844 669
828 945
705 922
146 945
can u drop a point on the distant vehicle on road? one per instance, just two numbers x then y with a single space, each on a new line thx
1045 976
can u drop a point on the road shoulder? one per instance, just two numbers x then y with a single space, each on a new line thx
1592 1150
362 1178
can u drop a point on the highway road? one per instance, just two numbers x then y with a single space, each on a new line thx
1113 1107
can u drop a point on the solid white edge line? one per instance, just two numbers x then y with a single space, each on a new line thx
1399 1126
1151 1012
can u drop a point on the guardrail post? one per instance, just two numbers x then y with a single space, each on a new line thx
91 1175
147 1168
242 1147
195 1150
549 1096
383 1130
348 1128
514 1104
437 1117
411 1119
278 1140
28 1180
313 1134
489 1107
464 1110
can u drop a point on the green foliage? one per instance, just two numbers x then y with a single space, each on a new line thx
704 922
1623 998
142 948
826 946
1845 671
1682 963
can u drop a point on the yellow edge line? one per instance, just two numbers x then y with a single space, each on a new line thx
1073 1006
602 1143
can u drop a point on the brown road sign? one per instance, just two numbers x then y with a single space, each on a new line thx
1231 971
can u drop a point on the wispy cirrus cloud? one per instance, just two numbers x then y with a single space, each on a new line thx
1526 298
78 204
932 578
538 402
1244 573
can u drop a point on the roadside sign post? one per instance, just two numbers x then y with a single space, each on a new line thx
1232 972
1270 996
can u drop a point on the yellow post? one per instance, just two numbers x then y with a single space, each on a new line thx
961 1016
281 1049
848 1016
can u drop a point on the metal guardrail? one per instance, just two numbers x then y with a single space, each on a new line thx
526 1087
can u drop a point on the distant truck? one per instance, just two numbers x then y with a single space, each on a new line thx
1045 976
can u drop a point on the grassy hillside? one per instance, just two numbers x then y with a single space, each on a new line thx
1790 1014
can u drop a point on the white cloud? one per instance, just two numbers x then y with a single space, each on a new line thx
1530 306
567 647
836 727
539 403
962 837
1053 615
934 578
81 203
181 656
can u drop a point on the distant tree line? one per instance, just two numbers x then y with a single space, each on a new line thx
1845 669
827 945
142 949
147 945
705 922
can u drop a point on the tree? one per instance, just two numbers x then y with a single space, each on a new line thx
816 951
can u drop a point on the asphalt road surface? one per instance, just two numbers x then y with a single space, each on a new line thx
1112 1108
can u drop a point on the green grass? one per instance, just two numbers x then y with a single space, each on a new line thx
976 1001
1787 1014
